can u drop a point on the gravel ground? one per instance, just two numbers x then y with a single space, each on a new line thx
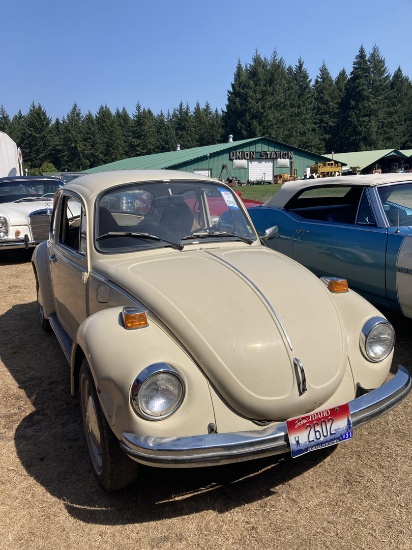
354 496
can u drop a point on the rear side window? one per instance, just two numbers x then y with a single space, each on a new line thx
73 224
336 204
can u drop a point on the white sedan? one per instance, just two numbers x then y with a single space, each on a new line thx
26 203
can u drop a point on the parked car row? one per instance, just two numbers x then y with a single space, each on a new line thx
190 342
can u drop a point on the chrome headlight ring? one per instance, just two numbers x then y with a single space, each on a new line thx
157 392
377 339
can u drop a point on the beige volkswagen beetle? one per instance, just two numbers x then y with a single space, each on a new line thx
189 341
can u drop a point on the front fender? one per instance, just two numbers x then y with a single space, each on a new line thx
355 311
117 355
40 262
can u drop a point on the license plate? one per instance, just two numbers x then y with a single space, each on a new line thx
319 429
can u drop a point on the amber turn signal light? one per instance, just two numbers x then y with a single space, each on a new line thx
338 285
134 318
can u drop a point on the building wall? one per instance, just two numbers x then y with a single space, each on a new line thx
261 150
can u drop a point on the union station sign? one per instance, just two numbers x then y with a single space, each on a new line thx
256 155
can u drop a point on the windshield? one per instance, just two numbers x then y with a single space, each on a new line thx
20 190
173 213
397 204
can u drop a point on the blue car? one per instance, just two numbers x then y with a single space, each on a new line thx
355 227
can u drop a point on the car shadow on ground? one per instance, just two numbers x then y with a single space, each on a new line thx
15 256
50 445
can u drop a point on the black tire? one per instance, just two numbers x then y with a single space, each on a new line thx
111 466
45 324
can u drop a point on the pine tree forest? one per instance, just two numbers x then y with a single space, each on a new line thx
367 109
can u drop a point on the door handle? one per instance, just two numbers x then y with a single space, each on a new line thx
52 258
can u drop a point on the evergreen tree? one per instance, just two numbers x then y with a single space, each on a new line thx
216 128
124 122
57 156
380 106
5 122
400 129
356 106
326 109
207 127
90 143
36 137
258 96
338 142
278 100
149 139
235 116
166 133
71 132
183 126
302 110
144 132
109 137
16 127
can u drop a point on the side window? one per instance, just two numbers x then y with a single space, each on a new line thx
73 225
365 214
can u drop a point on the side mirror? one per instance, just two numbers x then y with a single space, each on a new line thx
270 233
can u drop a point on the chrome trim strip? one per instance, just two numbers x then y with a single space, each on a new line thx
224 448
54 251
257 289
16 244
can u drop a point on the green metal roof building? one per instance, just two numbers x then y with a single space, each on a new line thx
385 160
257 159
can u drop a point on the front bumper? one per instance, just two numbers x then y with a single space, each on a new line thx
14 244
215 449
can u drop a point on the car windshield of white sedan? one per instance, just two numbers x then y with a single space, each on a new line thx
397 204
27 191
173 213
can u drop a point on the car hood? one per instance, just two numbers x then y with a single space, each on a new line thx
17 212
245 315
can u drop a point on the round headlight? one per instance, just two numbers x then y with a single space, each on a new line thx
377 339
157 392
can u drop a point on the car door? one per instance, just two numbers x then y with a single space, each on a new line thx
264 217
68 263
355 251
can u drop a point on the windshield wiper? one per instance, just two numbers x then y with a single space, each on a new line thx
177 246
207 233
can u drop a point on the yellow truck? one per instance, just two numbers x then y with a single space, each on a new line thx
326 169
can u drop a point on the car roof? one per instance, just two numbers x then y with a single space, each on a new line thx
28 179
291 188
90 185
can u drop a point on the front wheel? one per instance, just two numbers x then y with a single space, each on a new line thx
111 466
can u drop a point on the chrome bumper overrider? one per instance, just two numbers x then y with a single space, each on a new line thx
213 449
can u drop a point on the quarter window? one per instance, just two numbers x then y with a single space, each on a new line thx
73 225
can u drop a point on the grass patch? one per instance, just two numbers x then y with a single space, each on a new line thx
258 192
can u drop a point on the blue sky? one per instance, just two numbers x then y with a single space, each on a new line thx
160 52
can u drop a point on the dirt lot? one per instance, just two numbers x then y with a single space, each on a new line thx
356 496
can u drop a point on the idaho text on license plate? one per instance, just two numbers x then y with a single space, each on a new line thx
319 429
